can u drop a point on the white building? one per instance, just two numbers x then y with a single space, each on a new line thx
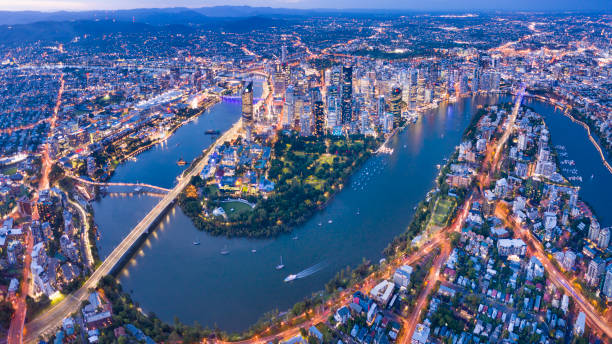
579 325
401 277
382 292
607 287
507 247
604 238
421 334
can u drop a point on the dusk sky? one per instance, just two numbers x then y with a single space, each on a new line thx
539 5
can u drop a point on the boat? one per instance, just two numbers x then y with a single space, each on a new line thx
253 250
181 162
329 221
290 278
320 224
137 189
196 242
212 132
281 265
295 237
225 251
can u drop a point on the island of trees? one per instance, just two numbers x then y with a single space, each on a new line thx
306 172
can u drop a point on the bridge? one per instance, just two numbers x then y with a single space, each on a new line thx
135 185
45 324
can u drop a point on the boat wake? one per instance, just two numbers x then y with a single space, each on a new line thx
307 272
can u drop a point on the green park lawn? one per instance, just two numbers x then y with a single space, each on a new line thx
444 207
238 208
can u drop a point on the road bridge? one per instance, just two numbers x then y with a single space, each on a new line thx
45 324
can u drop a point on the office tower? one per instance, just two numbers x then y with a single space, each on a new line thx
604 238
476 80
347 94
395 106
381 106
284 54
247 108
289 107
319 118
421 89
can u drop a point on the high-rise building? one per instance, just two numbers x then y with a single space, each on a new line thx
319 118
594 231
289 107
604 238
247 108
594 271
607 286
284 54
395 106
347 94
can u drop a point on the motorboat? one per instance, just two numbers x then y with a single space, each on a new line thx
281 265
290 278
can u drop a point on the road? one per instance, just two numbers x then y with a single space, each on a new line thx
84 233
15 334
434 274
534 248
52 319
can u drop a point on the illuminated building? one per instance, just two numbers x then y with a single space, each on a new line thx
319 118
395 106
247 108
347 95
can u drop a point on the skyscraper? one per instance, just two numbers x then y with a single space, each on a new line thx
604 238
395 106
247 108
284 54
319 118
607 287
347 94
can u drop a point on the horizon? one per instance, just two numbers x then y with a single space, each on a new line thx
545 6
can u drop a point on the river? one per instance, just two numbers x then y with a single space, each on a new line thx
171 277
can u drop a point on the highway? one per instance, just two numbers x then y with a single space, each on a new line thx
51 320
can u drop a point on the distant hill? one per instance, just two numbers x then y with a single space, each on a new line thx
66 30
152 22
182 15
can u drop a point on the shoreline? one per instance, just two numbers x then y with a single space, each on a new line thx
581 123
209 104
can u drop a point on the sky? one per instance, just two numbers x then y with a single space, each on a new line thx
535 5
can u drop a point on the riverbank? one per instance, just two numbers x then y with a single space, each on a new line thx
568 114
107 158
